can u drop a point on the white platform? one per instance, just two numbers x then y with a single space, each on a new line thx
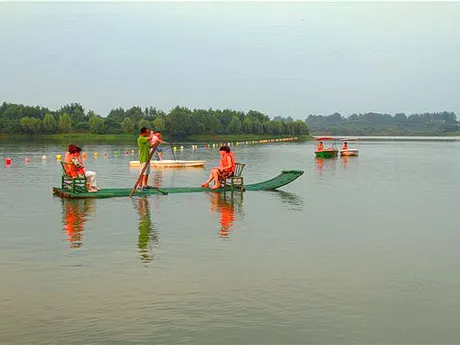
170 164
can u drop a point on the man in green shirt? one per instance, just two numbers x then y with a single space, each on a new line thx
143 143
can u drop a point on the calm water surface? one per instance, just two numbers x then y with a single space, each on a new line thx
357 251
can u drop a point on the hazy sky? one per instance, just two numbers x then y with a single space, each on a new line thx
288 59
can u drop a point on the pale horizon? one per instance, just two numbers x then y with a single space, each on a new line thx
284 59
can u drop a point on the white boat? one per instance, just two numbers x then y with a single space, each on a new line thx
349 151
169 163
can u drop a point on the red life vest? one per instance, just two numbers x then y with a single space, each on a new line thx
223 161
69 167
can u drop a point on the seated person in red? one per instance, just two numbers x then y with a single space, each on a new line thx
225 169
78 169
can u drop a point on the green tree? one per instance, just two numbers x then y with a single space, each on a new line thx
135 113
257 127
234 126
299 127
159 124
112 127
30 125
212 125
127 125
257 115
179 122
247 125
49 123
64 123
75 111
96 124
276 127
143 123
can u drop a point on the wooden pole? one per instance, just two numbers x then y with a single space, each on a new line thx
172 150
141 176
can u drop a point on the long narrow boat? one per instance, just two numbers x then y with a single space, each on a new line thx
284 178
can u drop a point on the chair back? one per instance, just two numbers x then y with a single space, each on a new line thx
68 167
65 166
238 169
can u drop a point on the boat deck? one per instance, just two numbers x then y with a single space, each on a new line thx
284 178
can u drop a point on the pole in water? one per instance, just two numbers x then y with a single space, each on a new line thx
172 150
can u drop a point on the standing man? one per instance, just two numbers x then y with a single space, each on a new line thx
143 144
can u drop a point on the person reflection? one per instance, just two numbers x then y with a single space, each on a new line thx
344 161
75 212
148 237
325 165
157 178
319 165
225 205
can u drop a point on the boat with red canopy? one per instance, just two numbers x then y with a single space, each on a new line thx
326 152
346 150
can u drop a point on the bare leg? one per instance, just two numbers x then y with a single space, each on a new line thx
210 178
160 155
215 176
145 180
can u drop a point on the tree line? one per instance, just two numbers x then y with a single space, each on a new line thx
437 123
180 122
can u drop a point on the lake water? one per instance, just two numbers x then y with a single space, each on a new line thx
363 250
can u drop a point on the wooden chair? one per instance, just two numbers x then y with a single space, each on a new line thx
236 181
72 184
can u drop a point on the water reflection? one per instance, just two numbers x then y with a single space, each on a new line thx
75 212
325 163
346 160
157 178
148 237
293 201
228 205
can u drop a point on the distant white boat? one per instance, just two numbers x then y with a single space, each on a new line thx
170 164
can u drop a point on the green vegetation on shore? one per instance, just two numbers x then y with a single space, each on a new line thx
368 124
82 138
182 124
179 123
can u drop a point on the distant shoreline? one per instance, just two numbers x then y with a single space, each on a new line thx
129 138
84 138
394 137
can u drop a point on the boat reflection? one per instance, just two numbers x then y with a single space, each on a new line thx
75 213
148 237
228 205
322 163
292 201
346 160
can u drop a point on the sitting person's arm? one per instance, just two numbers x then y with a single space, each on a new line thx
76 162
228 164
80 168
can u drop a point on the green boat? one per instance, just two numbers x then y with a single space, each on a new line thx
329 152
284 178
